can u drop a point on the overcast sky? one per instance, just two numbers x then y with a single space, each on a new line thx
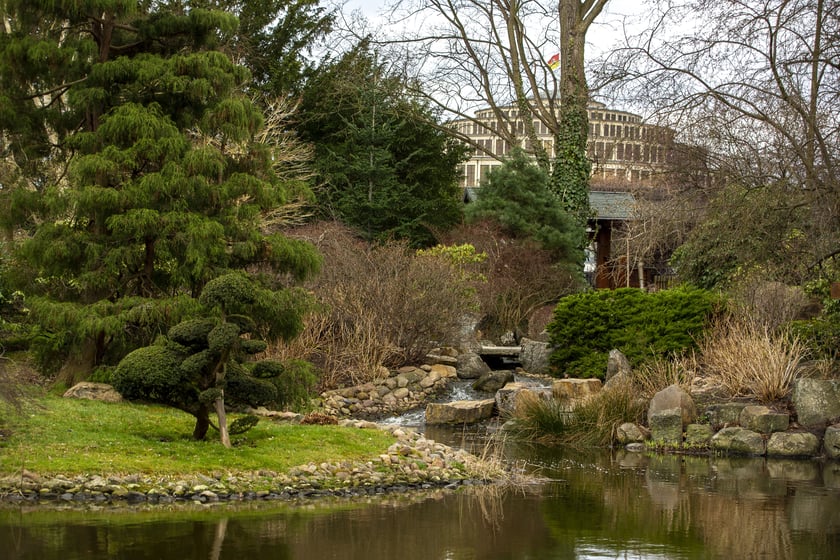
605 31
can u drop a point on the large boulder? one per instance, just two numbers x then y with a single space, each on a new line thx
763 420
666 427
492 381
698 435
739 441
459 412
670 398
722 415
514 398
471 366
444 371
93 391
630 433
817 401
793 444
575 389
534 356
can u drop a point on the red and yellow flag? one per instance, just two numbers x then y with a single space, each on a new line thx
554 62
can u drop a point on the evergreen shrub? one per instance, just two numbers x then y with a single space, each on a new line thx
642 325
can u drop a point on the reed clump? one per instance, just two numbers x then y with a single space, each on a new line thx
749 360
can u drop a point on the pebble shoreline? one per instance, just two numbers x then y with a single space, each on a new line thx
411 463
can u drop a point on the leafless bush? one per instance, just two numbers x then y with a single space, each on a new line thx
767 304
380 306
749 360
520 276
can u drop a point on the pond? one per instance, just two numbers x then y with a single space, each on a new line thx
590 505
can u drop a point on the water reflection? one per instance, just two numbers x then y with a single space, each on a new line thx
596 505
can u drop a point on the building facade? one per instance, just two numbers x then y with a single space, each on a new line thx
623 150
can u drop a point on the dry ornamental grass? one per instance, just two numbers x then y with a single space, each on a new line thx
747 360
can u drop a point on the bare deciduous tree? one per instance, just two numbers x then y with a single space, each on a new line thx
492 54
756 84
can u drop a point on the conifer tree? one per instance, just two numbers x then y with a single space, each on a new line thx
386 171
517 196
161 184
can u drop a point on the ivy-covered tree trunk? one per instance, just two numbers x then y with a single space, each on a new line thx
570 175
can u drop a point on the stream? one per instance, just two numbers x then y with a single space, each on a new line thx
588 504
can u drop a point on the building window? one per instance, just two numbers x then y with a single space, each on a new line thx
485 171
470 175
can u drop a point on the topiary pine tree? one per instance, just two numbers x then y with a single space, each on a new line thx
202 362
165 185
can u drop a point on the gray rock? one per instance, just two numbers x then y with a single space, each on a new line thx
816 401
698 434
630 433
514 398
459 412
471 366
831 442
666 427
617 364
506 398
672 397
793 444
763 420
492 381
93 391
534 356
722 415
739 441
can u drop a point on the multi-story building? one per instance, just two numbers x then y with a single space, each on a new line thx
623 150
626 154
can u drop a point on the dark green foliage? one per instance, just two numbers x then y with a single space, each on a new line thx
295 384
516 195
206 360
141 180
153 373
274 37
248 390
642 325
821 334
388 170
192 333
265 369
251 346
243 424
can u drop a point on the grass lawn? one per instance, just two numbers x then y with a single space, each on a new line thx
53 435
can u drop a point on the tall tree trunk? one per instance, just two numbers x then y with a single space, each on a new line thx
570 176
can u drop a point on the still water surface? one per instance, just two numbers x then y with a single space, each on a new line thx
593 505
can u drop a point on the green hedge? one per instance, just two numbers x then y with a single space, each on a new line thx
586 326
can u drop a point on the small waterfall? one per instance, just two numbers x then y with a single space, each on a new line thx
459 390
